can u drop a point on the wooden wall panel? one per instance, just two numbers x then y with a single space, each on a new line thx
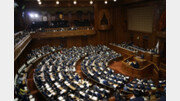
119 24
36 43
158 6
84 41
73 41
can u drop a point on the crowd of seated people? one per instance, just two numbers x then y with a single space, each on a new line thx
65 29
19 36
38 52
56 78
21 91
134 64
161 94
162 84
57 24
95 67
45 24
20 85
134 48
141 89
142 85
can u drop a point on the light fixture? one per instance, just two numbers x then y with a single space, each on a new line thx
115 0
39 0
40 3
75 2
36 15
105 2
57 2
31 15
91 2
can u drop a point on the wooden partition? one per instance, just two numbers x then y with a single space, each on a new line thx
124 53
148 56
63 33
144 72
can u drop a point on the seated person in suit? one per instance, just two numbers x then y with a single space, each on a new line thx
137 96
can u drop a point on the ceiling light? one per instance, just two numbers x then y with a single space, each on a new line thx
115 0
75 2
39 0
36 15
31 15
40 3
91 2
105 2
57 2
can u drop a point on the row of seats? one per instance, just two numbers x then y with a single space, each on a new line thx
133 48
19 36
21 91
95 67
64 29
38 52
142 85
57 24
57 79
45 24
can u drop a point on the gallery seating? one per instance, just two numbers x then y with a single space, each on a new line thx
57 24
19 36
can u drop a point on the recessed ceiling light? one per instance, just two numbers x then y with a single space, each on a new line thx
40 3
91 2
105 2
75 2
115 0
57 2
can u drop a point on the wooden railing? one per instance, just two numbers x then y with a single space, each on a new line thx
69 33
66 28
21 46
144 72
